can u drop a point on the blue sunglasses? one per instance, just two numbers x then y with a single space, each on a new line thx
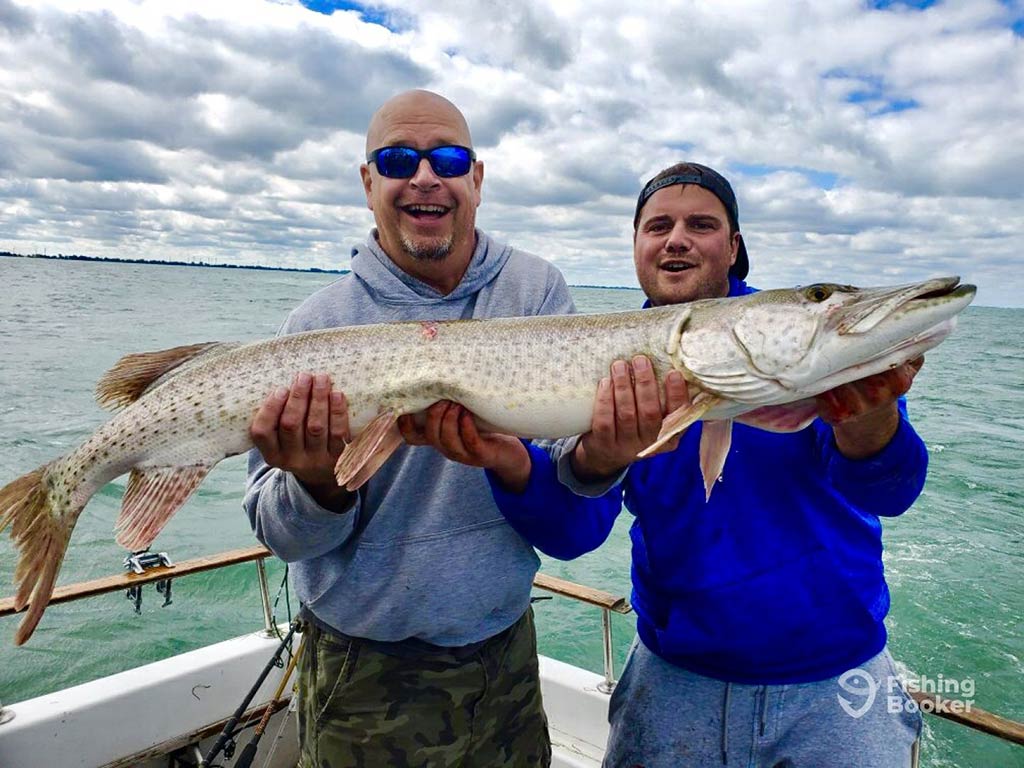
402 162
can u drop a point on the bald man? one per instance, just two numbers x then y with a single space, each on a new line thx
421 647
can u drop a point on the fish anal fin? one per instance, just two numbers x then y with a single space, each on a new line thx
715 439
153 495
133 374
787 417
682 417
368 451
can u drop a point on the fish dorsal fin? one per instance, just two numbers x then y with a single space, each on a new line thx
680 419
370 449
153 495
715 439
133 374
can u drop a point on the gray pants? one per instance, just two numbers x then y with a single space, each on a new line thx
665 717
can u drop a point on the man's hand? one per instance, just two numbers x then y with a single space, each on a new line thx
628 411
451 429
863 413
303 430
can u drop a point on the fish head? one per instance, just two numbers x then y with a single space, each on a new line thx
814 338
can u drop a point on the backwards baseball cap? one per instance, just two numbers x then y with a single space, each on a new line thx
715 183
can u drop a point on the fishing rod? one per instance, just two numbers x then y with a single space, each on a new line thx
249 753
228 733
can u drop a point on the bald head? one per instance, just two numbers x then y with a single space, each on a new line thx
413 109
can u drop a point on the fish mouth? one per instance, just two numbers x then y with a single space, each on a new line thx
942 297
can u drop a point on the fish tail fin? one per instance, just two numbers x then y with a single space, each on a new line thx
40 530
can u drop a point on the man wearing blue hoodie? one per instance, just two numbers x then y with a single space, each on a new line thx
760 613
413 656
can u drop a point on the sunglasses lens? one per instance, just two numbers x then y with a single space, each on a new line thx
449 162
397 162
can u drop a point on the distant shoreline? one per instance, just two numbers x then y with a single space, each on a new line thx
112 260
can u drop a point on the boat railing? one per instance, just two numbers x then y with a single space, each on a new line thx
929 703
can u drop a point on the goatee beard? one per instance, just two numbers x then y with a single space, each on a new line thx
435 251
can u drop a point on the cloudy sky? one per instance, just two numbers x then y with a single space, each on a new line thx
868 142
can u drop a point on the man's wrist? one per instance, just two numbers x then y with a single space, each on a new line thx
864 436
513 474
328 494
587 469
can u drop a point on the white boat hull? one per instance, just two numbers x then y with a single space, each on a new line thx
136 718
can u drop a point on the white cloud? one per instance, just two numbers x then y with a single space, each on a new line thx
865 145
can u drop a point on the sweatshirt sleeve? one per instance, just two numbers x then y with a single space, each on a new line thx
557 300
550 516
885 484
287 520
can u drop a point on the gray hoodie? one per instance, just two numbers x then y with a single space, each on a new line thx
423 552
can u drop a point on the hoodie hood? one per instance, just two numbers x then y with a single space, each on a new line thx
389 284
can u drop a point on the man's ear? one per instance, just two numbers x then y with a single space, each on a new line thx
364 172
737 238
478 179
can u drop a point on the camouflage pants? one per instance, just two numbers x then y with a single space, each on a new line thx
363 708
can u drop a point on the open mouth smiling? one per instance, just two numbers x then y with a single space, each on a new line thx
423 211
676 266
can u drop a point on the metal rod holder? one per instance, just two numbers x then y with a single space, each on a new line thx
268 619
608 684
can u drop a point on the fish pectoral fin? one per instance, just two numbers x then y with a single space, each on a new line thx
715 439
370 449
682 417
133 374
788 417
153 495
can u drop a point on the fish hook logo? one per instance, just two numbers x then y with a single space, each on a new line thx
861 684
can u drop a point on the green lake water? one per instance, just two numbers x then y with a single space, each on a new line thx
955 562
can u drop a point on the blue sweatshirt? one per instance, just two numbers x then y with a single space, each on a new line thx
405 560
777 579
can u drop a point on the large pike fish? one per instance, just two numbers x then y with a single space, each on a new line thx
759 358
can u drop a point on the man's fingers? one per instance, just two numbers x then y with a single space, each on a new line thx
412 432
473 442
648 400
676 393
433 422
340 434
318 414
449 441
625 402
603 420
263 429
292 425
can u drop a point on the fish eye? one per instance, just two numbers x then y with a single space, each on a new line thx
818 293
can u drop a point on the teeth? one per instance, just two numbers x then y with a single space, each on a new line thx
426 208
675 266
